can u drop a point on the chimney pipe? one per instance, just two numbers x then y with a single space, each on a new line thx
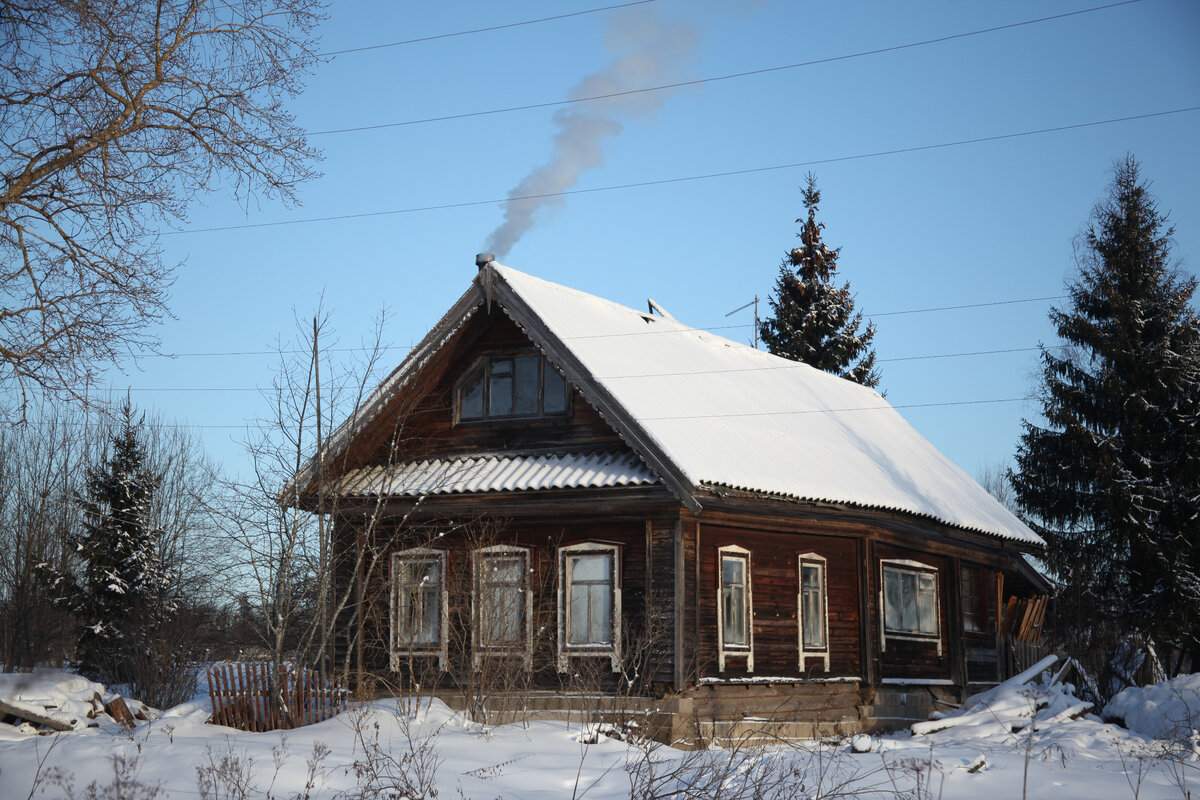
483 259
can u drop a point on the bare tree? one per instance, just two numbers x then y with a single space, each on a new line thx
40 476
43 466
993 476
281 526
113 116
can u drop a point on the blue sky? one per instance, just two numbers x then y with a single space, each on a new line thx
930 228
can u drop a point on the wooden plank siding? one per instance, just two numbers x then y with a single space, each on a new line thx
639 617
422 423
774 580
905 658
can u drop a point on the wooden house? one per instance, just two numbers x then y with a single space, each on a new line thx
553 489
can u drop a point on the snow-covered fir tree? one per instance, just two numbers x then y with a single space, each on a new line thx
122 594
1112 480
814 320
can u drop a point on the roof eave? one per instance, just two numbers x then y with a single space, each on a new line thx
339 440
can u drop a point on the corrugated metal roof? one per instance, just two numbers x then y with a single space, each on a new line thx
725 414
498 473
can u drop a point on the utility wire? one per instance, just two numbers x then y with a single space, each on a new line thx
482 30
700 81
387 348
793 365
972 305
690 178
939 404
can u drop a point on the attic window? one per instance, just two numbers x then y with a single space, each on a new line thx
511 386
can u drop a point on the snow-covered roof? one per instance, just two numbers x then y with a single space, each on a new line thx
499 473
723 414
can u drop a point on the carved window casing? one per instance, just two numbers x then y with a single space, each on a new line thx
735 606
502 604
813 610
589 602
418 605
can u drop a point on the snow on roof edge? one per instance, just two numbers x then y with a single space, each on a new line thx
715 487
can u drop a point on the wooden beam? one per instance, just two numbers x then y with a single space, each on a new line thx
32 715
680 598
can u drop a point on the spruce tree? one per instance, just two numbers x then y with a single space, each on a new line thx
1112 481
814 321
122 595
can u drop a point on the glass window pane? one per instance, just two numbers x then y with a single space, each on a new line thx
471 399
501 366
526 401
500 399
554 391
733 571
418 602
501 600
908 612
811 576
578 622
591 568
600 617
735 616
504 569
927 603
892 599
814 620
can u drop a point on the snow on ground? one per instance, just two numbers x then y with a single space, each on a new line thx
1030 747
1169 710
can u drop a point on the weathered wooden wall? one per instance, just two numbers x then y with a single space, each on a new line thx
421 424
774 576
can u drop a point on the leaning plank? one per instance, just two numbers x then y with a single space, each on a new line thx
31 714
1074 712
987 708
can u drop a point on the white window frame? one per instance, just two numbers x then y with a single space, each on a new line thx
908 565
565 649
478 649
813 559
724 650
399 651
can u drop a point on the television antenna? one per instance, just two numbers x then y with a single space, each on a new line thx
754 303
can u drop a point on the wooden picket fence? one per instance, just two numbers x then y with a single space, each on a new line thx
246 696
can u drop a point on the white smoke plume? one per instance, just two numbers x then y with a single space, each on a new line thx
647 50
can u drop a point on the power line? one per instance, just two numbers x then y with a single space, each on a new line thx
885 407
690 178
482 30
387 348
965 355
793 365
700 81
972 305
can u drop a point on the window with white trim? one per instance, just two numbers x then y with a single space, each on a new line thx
419 600
502 602
813 610
735 606
910 601
517 385
589 602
